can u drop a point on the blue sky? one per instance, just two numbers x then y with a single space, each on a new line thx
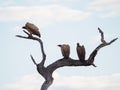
60 22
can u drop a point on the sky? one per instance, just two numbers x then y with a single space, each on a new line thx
59 22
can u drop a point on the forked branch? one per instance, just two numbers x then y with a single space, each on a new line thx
41 46
103 44
47 72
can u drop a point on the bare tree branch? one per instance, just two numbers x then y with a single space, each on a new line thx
37 39
33 60
103 44
102 35
26 32
47 72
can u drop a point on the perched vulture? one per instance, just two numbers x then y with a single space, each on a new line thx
81 52
32 29
65 49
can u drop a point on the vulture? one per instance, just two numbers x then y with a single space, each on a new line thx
65 49
81 52
32 29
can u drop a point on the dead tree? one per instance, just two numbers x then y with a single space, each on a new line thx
47 72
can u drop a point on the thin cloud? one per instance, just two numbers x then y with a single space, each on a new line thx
27 82
106 8
44 14
33 82
97 82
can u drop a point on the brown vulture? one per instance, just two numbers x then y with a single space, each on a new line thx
81 52
32 29
65 49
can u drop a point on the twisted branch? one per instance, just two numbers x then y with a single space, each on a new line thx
46 72
103 44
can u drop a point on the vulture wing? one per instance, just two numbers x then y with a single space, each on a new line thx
65 49
32 29
81 52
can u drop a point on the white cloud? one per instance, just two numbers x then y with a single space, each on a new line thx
107 8
44 14
34 81
91 83
28 82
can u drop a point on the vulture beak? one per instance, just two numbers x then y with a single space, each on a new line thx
24 27
78 44
59 45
